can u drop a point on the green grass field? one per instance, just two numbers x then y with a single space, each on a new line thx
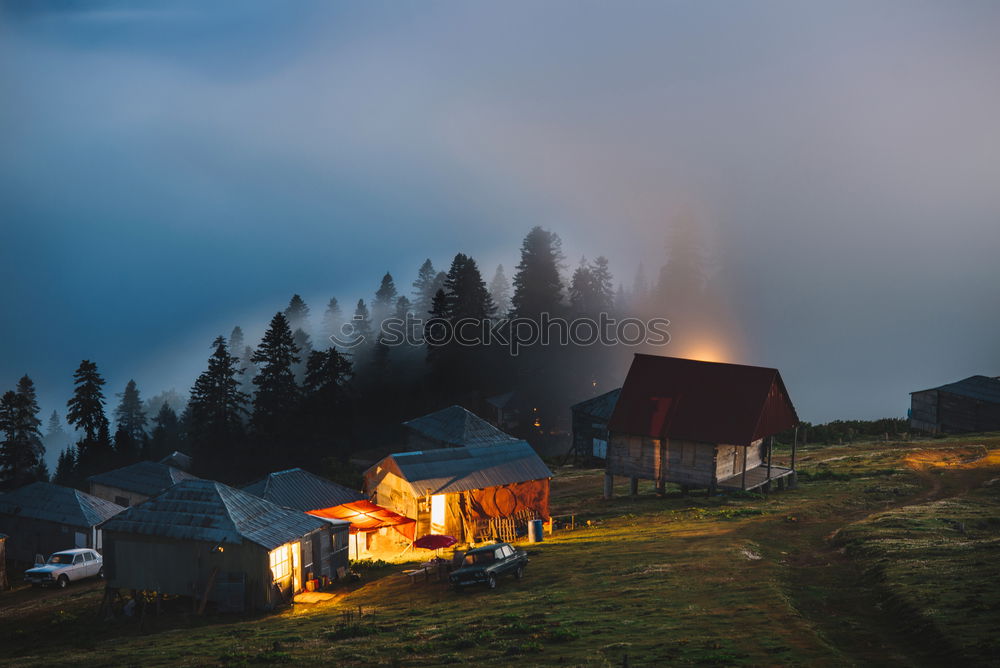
886 554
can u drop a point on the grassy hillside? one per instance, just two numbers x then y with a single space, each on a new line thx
813 576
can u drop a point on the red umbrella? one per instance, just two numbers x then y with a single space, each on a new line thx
435 541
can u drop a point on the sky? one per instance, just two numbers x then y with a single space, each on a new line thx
171 169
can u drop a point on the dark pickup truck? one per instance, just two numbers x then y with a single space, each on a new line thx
483 565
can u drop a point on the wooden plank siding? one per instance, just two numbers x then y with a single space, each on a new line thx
689 463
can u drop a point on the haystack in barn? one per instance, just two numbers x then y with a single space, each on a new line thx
452 427
590 424
698 424
206 540
972 404
42 518
472 494
131 485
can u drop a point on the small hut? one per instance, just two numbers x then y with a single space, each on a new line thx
590 425
972 404
204 539
42 518
131 485
471 493
453 427
698 424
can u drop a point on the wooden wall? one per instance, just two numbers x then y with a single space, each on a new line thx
729 458
924 410
938 411
28 537
113 493
682 462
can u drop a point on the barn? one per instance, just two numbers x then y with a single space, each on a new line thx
972 404
450 428
42 518
590 424
131 485
473 494
698 424
207 540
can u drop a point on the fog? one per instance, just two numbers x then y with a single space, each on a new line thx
170 170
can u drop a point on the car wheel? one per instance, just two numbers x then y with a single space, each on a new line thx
62 582
491 582
519 573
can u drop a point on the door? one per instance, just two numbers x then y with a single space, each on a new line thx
296 566
78 570
438 513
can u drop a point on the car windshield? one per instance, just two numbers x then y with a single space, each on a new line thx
61 559
479 558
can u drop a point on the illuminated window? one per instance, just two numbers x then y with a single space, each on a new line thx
281 562
437 513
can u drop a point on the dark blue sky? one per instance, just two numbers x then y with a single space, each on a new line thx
171 169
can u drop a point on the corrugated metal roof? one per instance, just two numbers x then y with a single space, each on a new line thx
456 426
458 469
179 460
302 490
982 388
600 407
711 402
146 478
55 503
208 511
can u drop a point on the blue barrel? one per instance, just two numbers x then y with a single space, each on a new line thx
536 531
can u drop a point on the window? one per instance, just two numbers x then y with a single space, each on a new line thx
78 559
508 551
281 562
87 556
437 513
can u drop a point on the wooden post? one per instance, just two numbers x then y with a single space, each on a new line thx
633 486
609 486
794 439
770 447
743 480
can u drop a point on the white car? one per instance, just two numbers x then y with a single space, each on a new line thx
65 567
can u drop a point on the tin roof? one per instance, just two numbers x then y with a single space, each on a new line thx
208 511
146 478
710 402
982 388
456 426
302 490
179 460
600 407
459 469
55 503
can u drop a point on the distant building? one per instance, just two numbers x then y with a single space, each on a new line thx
210 541
698 424
131 485
972 404
42 518
590 424
178 460
470 493
453 427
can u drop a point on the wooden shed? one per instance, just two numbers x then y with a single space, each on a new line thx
452 427
131 485
590 425
972 404
206 540
42 518
472 494
698 424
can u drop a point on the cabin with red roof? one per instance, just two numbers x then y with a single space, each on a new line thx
699 425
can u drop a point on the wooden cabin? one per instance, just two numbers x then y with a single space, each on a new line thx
473 494
131 485
42 518
452 427
972 404
209 541
590 425
698 424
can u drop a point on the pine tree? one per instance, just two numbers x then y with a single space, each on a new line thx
581 290
215 414
537 286
236 340
326 406
465 291
500 291
424 289
165 438
362 323
332 321
603 284
385 297
41 472
21 449
297 314
277 395
403 308
56 438
66 468
130 416
304 343
86 414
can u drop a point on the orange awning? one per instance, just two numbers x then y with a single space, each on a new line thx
365 517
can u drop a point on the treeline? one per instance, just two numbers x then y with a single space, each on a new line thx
301 398
846 431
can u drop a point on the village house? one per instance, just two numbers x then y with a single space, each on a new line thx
473 494
972 404
590 425
131 485
178 460
42 518
452 427
698 424
210 541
